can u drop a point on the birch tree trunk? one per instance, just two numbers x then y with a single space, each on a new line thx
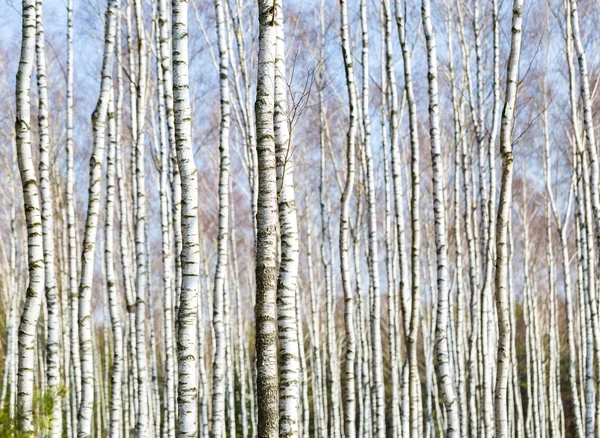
458 111
52 301
86 405
503 217
187 339
86 339
563 232
221 346
170 166
392 279
287 282
315 326
411 317
441 237
35 243
591 147
378 386
266 219
165 221
349 376
141 281
75 363
116 415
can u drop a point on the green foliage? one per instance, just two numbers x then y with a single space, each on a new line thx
43 404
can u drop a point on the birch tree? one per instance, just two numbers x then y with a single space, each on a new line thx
52 302
266 223
349 376
86 405
35 242
71 225
287 283
441 237
140 231
219 365
503 217
114 300
187 343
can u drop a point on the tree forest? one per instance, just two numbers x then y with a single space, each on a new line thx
299 218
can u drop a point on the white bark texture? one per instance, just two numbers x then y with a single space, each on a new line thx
35 243
503 217
116 402
443 351
221 346
266 220
86 405
141 281
52 302
287 283
350 355
187 339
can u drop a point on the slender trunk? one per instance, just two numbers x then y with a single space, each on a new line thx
441 237
266 245
141 281
389 244
503 217
378 385
86 405
349 377
411 317
241 349
31 201
591 147
71 217
563 237
165 221
52 302
287 283
116 415
187 338
317 373
219 366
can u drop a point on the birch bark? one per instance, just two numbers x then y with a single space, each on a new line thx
52 302
411 322
116 415
349 376
441 237
221 347
266 219
287 283
35 242
187 339
71 219
378 386
141 281
99 115
503 217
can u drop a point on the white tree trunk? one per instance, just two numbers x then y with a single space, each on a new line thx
31 201
441 237
71 221
287 284
86 406
219 363
141 286
116 414
187 339
349 375
52 302
266 219
503 217
410 305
